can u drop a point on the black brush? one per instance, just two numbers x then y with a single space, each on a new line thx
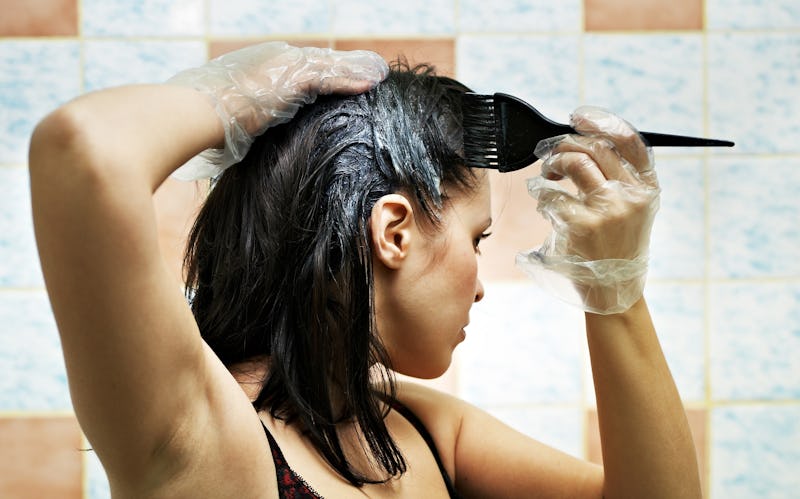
501 132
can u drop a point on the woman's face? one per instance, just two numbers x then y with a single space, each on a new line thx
423 308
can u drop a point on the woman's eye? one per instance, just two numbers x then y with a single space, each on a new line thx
478 240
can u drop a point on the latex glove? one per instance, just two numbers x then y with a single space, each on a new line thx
596 256
264 85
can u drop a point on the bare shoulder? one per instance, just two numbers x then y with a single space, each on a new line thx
487 458
440 413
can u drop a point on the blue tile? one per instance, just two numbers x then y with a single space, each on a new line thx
559 427
653 81
522 347
755 452
110 63
35 78
677 243
752 14
543 70
361 17
19 260
754 210
522 16
752 91
34 377
255 17
136 18
678 312
755 341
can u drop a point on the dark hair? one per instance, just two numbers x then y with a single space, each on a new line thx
279 260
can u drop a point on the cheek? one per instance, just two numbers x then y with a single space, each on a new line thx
467 272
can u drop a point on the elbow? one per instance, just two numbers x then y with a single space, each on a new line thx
58 138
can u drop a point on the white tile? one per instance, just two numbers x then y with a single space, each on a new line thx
35 78
96 479
19 261
753 93
360 17
755 341
523 16
752 14
137 18
522 347
653 81
110 63
677 242
754 212
542 70
754 452
255 17
34 377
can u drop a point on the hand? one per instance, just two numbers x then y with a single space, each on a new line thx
601 233
264 85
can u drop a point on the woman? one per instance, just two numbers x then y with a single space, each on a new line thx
340 245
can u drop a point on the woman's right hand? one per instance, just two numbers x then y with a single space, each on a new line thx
601 233
264 85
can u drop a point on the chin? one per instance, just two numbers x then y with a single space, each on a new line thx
425 371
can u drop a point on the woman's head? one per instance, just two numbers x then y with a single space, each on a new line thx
284 259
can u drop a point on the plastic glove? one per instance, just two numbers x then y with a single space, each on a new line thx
264 85
596 256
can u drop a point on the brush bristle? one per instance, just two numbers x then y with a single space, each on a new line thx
480 131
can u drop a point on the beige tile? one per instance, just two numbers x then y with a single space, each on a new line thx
39 18
40 457
218 47
609 15
517 226
438 52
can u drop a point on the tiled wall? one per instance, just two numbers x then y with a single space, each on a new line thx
725 280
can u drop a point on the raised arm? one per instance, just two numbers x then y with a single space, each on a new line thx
142 382
647 447
599 248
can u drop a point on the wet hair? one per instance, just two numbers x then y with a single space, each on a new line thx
279 260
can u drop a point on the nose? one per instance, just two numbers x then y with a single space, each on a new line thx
478 291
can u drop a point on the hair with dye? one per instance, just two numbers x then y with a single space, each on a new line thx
279 261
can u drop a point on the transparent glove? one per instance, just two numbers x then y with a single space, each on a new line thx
596 256
264 85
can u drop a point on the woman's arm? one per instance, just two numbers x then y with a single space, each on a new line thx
648 449
135 362
148 393
134 356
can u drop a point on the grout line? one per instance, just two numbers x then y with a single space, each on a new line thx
37 414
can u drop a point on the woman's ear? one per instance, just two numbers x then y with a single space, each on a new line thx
392 226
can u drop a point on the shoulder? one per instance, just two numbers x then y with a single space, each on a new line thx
440 413
487 458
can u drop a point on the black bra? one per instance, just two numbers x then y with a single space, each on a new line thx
292 485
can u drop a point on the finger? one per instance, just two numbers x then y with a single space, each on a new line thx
602 151
596 122
579 167
347 72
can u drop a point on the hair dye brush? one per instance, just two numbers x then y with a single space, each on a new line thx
501 132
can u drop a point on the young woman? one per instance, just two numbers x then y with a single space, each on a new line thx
338 246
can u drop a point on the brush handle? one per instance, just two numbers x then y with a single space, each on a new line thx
667 140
